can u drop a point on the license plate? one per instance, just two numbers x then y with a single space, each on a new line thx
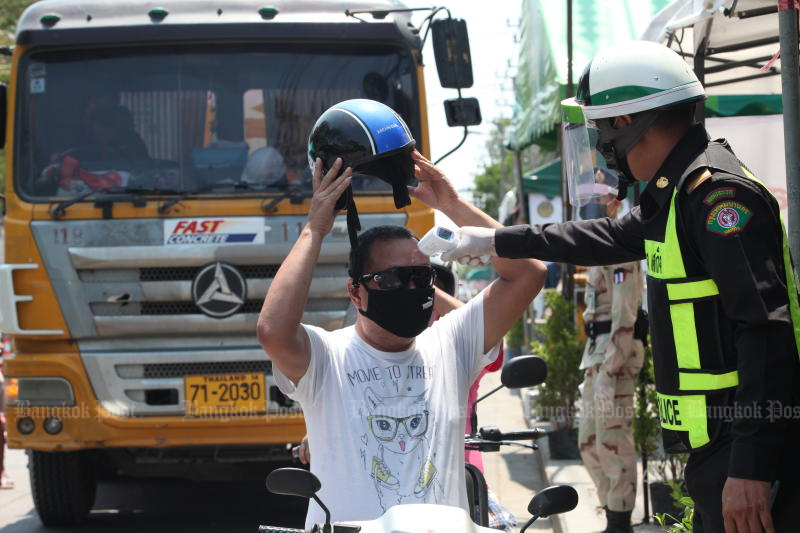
225 394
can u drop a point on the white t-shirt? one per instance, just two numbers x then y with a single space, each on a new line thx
386 428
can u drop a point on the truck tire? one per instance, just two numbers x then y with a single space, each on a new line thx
63 485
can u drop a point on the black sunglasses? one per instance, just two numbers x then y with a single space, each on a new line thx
400 277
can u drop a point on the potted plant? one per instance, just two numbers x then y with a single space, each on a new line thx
562 349
514 340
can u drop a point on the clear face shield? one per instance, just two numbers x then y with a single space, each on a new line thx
589 181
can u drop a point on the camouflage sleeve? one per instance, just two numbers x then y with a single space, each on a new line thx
626 287
590 297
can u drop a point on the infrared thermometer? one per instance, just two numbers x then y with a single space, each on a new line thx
438 240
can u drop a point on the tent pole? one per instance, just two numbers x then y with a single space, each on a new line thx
523 198
787 29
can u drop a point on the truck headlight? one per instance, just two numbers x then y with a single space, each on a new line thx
44 392
52 425
26 425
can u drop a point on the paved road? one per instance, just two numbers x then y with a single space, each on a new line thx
512 473
156 506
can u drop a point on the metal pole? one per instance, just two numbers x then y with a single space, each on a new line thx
523 198
700 71
568 275
645 489
787 30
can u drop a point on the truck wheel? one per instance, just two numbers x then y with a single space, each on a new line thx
63 485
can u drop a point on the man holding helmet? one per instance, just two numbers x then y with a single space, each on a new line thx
384 399
722 294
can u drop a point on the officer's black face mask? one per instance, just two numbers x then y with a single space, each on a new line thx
404 312
592 210
615 143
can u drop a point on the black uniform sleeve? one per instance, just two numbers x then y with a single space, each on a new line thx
735 229
601 241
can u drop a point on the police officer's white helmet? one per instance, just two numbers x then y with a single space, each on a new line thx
634 76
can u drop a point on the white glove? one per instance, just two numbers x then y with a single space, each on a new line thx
475 246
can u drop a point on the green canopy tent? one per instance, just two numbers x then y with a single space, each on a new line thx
544 180
543 74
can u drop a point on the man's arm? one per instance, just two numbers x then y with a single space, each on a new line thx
626 294
520 280
279 330
443 303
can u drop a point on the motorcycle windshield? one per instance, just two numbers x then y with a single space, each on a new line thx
222 118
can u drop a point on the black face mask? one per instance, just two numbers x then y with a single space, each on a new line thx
592 210
404 312
615 143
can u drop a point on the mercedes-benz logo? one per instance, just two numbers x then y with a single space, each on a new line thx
219 290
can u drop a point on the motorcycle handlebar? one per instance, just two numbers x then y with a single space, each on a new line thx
494 434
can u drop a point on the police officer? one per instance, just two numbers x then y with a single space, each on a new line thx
612 359
721 287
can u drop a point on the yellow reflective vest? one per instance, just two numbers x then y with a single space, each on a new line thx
692 378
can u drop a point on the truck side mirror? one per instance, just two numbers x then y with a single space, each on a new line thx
462 112
3 104
451 50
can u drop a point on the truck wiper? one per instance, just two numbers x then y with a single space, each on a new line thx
296 195
164 208
104 199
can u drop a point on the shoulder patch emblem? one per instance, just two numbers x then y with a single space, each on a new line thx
727 218
719 194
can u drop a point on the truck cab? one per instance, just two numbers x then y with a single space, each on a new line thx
157 177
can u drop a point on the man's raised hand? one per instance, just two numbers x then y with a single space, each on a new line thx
434 188
327 191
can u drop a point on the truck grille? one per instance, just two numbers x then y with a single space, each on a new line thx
188 308
176 370
189 273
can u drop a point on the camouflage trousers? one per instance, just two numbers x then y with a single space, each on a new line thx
605 436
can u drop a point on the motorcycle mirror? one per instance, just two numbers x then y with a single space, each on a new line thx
293 482
451 51
553 500
524 371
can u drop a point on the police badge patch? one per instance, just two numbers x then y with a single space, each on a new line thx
727 218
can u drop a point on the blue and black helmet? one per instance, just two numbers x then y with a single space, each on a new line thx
372 139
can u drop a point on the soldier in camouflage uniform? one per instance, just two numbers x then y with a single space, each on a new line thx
612 360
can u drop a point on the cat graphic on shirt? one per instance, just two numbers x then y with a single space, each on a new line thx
398 443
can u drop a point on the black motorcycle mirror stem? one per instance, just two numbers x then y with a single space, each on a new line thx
473 417
298 482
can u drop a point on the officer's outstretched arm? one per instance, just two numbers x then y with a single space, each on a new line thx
602 241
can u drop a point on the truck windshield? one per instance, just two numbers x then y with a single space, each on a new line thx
173 119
